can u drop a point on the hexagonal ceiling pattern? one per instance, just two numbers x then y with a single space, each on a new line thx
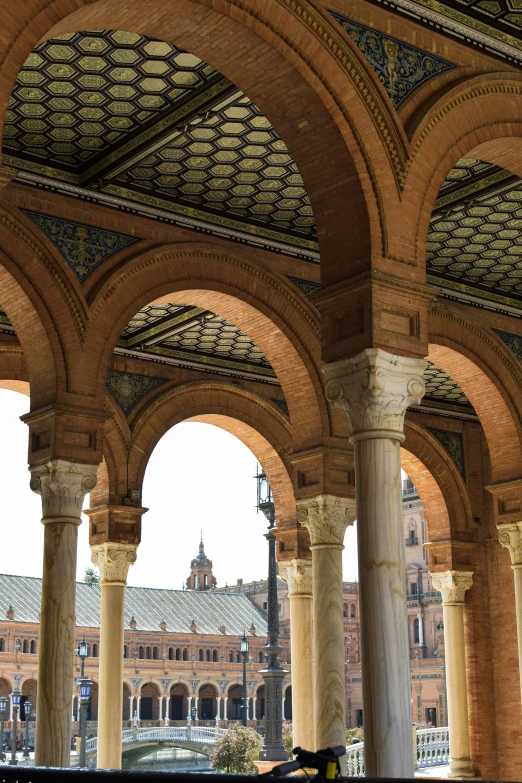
474 248
120 114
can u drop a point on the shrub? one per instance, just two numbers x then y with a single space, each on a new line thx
237 750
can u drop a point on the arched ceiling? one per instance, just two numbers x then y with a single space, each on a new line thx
120 115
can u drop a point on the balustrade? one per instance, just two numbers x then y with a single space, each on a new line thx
432 751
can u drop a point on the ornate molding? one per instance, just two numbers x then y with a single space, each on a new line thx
452 585
63 486
113 561
298 574
326 518
510 536
375 389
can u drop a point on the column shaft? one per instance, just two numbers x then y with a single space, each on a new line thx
382 601
517 576
62 486
453 585
113 560
298 574
510 536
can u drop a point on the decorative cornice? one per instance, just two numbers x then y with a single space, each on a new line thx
113 561
326 518
452 585
63 486
375 389
298 574
510 536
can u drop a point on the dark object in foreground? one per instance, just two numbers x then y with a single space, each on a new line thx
326 762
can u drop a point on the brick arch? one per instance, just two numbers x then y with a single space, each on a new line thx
249 418
112 482
261 303
335 116
477 117
489 375
438 481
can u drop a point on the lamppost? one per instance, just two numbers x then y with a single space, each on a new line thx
27 713
243 646
273 673
15 700
194 715
85 695
3 707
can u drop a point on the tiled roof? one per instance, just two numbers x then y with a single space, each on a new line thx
149 606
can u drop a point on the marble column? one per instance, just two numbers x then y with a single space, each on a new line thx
62 486
131 707
189 704
298 574
326 517
254 702
375 388
167 710
138 707
420 618
225 700
113 561
510 536
218 707
453 586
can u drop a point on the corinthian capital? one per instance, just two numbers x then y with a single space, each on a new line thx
326 517
510 536
375 388
63 486
113 561
452 585
298 574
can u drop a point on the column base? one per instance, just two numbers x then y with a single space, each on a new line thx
461 769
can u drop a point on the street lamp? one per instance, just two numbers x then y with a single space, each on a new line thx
3 707
273 673
83 653
15 700
27 713
243 646
194 714
85 695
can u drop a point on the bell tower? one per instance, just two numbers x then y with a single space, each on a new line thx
201 577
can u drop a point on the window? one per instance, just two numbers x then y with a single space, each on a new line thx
185 654
95 651
205 581
260 656
207 656
25 646
413 588
155 653
200 655
147 653
33 647
178 654
214 656
140 653
231 656
265 606
171 653
352 611
238 659
125 651
1 645
345 610
416 631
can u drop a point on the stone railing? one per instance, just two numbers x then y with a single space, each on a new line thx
432 751
199 735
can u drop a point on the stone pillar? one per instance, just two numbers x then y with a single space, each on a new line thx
375 388
420 618
62 486
189 704
113 561
254 702
225 699
326 517
298 574
160 708
167 710
138 707
510 536
131 707
218 707
453 586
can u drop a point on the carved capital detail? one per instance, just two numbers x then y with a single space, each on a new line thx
452 585
510 536
298 574
113 561
326 518
63 486
375 388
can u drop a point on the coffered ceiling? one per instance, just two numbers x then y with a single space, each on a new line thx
140 120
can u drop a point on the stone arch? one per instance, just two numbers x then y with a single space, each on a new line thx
261 303
441 487
489 375
241 413
301 53
479 117
150 689
208 681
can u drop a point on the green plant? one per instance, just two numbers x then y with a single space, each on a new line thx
237 750
354 734
288 741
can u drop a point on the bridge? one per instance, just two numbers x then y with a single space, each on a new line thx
138 742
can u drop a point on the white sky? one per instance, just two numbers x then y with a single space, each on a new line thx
199 477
